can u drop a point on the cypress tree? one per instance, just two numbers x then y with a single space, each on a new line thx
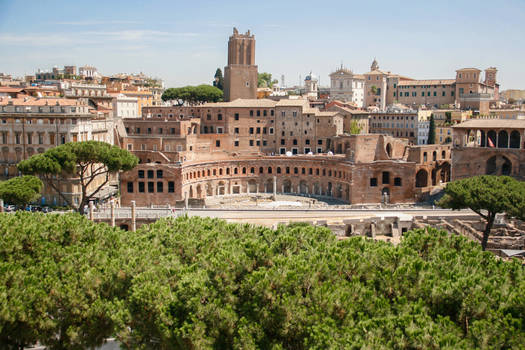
431 131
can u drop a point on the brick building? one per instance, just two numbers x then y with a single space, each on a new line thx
249 145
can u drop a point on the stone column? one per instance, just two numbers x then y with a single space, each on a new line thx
274 186
186 201
1 205
91 217
112 213
133 216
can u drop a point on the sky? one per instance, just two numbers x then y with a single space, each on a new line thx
184 42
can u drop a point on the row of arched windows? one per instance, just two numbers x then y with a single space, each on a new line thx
265 170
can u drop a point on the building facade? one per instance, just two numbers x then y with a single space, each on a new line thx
346 86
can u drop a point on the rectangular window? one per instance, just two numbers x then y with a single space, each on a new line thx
258 130
236 130
236 143
397 181
160 186
258 113
141 174
251 113
141 187
373 182
251 130
251 142
217 143
271 131
319 142
386 177
130 187
159 174
236 116
150 174
219 116
265 113
283 142
151 187
171 186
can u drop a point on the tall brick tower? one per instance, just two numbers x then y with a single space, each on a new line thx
240 75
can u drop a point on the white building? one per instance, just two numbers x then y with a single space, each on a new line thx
423 126
125 107
88 72
347 87
311 86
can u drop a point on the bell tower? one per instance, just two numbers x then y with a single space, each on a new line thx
240 75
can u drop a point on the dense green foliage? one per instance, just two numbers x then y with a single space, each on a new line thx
193 95
431 131
265 80
21 190
91 162
58 276
218 80
193 283
486 195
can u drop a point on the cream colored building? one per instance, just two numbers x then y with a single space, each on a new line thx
31 125
347 87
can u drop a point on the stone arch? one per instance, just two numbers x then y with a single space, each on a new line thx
385 195
209 190
338 190
317 188
491 138
199 191
221 188
329 189
339 148
498 165
303 187
388 149
483 137
191 192
287 186
503 139
515 139
434 156
269 186
445 172
252 186
422 178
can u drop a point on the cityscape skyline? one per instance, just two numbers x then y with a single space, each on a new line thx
132 37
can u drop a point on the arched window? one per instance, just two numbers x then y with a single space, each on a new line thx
515 139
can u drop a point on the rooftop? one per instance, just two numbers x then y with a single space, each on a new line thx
491 123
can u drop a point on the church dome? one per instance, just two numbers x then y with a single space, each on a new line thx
310 77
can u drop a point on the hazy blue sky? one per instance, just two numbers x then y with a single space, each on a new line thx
183 42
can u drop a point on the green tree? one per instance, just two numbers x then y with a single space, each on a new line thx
207 284
431 131
59 275
374 89
218 82
265 80
354 128
91 162
193 95
486 195
21 190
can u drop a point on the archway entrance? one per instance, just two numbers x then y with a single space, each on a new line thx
422 178
498 165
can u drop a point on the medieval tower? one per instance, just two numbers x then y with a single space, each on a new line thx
240 75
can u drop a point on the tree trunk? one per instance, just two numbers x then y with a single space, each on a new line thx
486 232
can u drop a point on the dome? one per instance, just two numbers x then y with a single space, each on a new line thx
310 77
